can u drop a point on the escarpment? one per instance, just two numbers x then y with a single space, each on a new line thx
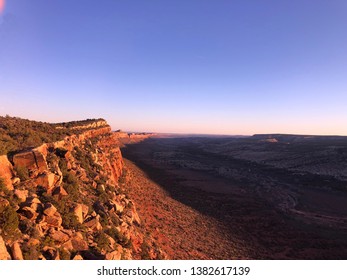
67 199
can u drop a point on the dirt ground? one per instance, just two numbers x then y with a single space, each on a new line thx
195 212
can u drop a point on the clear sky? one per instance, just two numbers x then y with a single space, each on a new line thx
197 66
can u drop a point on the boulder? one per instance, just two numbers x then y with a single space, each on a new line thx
85 210
76 243
54 221
115 255
28 213
33 242
6 172
47 181
22 195
60 192
78 211
50 210
32 160
78 257
79 244
34 203
94 223
39 230
50 253
118 207
4 255
59 236
16 251
133 216
43 149
136 218
15 180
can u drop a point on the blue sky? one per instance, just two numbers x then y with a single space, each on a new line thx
197 66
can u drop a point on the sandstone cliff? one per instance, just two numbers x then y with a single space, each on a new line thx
67 200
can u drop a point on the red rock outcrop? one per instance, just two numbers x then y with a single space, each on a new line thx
6 171
32 160
4 255
70 199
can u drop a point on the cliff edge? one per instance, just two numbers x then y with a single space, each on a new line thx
67 199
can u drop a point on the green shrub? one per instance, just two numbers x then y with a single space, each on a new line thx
114 219
2 184
47 241
30 252
63 166
17 133
71 186
102 241
145 249
119 237
3 187
22 172
64 254
29 227
70 221
9 220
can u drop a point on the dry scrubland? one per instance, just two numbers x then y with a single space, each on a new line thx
272 196
67 199
67 193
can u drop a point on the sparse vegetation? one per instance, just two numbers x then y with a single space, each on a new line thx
145 251
102 240
71 185
9 220
3 186
64 254
43 212
70 221
119 237
17 133
30 252
22 173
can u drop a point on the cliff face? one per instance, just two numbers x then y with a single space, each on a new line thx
67 200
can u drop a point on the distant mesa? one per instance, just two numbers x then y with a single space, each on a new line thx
291 138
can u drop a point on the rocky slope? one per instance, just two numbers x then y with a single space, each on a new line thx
67 199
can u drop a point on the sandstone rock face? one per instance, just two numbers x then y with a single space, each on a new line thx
54 221
50 210
94 223
112 168
78 210
47 181
78 244
4 255
16 251
93 125
43 149
6 172
60 192
22 195
15 181
77 175
118 207
32 160
78 257
60 236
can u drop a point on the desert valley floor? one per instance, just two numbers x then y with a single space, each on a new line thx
264 197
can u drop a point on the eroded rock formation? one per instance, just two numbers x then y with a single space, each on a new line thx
66 200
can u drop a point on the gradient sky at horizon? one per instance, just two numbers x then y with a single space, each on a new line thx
186 66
